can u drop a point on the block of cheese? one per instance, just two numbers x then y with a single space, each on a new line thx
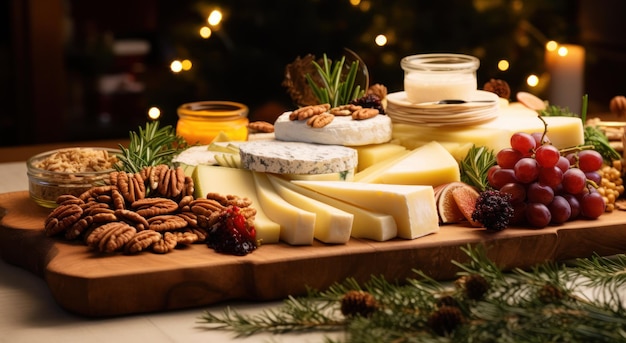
239 182
343 130
296 157
297 226
332 225
376 153
366 224
412 206
430 164
564 132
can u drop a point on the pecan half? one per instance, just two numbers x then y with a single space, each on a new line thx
149 207
61 218
110 237
307 112
320 120
166 222
365 113
141 241
166 244
261 127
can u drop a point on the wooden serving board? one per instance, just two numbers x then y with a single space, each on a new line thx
99 286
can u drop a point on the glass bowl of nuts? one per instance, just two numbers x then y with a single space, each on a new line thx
68 171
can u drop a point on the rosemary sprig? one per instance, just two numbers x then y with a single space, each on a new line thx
150 146
475 165
334 90
546 303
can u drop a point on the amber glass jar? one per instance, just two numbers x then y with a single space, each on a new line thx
200 122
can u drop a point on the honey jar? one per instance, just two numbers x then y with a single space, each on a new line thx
200 122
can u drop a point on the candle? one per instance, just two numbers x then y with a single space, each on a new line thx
566 66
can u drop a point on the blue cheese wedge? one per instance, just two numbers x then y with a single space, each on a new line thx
343 130
296 157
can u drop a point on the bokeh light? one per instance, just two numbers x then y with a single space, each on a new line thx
154 113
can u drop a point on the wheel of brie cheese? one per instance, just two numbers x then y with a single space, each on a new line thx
343 130
296 157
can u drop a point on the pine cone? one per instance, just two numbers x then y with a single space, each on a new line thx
475 286
445 319
356 303
499 87
295 80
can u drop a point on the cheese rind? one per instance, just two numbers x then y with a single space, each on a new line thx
366 224
332 225
296 157
239 182
430 164
412 206
343 130
297 226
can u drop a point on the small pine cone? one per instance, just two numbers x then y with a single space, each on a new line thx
618 105
447 300
358 303
445 320
549 294
475 286
499 87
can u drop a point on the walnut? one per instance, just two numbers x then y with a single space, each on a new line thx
618 105
61 218
365 113
261 127
110 237
499 87
320 120
166 244
149 207
307 112
166 222
379 90
141 241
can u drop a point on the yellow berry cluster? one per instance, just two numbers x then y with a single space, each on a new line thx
611 186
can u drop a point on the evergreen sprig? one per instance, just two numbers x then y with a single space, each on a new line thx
475 166
335 89
150 146
550 302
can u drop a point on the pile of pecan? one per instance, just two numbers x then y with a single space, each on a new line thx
318 116
153 210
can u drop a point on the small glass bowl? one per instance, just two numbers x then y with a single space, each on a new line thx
46 186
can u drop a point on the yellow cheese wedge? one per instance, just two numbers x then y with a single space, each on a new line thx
369 155
332 225
239 182
372 173
297 226
366 224
412 206
430 165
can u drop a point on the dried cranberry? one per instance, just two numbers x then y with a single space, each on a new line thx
232 234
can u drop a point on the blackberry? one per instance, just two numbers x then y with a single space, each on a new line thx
369 101
493 210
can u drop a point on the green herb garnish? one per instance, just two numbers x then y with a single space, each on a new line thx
150 146
475 166
334 90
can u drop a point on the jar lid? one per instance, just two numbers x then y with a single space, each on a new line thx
440 63
222 109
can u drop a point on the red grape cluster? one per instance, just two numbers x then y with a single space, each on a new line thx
545 186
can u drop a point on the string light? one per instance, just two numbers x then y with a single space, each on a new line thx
176 66
186 65
154 113
381 40
503 65
205 32
532 80
215 18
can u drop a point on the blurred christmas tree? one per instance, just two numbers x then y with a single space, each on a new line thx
244 57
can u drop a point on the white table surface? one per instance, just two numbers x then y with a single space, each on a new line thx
28 313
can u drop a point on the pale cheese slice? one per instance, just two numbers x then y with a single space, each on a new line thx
372 173
367 224
412 206
239 182
332 225
297 226
430 165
